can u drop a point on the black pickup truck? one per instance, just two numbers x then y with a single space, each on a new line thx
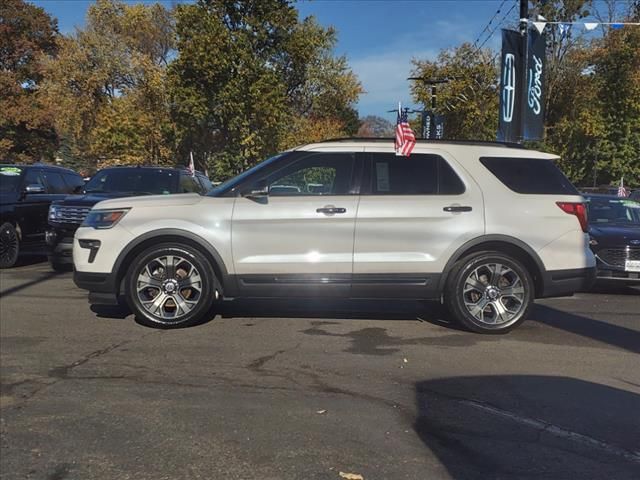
26 191
66 215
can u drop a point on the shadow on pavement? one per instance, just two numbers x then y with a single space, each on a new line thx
427 311
430 312
528 426
600 331
614 288
41 277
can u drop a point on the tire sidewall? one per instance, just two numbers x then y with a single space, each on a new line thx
201 264
3 228
456 284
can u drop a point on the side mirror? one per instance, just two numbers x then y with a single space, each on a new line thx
34 188
258 191
79 189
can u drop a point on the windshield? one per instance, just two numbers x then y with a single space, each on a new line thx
613 211
133 181
10 178
233 182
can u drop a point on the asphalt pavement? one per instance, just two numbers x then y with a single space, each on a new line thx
315 390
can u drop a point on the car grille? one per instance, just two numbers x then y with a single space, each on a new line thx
71 214
617 256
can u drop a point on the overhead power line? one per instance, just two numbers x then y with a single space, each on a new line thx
486 28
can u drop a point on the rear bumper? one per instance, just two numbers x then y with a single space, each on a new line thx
562 283
101 286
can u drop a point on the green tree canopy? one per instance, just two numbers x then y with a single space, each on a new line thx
470 100
108 86
250 79
27 35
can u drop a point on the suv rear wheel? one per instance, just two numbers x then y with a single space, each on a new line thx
170 286
489 292
9 245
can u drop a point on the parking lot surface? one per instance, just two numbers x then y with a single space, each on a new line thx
313 390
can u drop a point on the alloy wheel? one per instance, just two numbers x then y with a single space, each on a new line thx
169 287
494 294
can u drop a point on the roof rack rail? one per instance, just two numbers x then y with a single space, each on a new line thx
493 143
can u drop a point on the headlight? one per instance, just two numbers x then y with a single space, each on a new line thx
104 218
53 212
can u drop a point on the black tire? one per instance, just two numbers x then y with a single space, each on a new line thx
201 293
485 302
9 245
60 267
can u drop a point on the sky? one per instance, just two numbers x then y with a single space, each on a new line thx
378 37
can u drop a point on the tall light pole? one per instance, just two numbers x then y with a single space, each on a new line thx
432 83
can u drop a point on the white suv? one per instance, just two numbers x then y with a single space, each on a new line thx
486 227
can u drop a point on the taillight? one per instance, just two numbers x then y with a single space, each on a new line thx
577 209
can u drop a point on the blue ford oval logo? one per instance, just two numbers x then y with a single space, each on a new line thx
635 242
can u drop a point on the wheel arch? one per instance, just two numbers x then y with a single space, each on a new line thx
134 248
503 244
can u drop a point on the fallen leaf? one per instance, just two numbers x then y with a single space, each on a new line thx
320 412
351 476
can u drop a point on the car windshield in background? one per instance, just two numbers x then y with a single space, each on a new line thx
134 181
10 178
613 210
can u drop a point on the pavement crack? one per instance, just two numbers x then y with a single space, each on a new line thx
258 363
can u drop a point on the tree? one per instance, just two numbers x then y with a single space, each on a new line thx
470 100
27 35
593 101
251 79
374 126
108 86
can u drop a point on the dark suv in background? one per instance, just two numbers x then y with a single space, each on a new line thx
66 215
614 236
26 191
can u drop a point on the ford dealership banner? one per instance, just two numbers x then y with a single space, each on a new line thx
534 105
511 77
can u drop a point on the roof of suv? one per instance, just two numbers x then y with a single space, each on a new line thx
152 167
38 165
476 148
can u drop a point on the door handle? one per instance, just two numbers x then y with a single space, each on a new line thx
457 208
329 210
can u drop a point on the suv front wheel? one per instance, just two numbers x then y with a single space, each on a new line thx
170 286
489 292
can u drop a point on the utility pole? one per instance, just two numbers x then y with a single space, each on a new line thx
433 83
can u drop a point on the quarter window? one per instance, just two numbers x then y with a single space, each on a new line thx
530 175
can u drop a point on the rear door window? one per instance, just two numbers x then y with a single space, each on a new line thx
55 182
534 176
419 174
73 182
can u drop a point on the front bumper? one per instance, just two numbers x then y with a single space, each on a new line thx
60 246
562 283
102 287
610 264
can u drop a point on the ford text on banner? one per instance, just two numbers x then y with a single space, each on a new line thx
534 105
510 121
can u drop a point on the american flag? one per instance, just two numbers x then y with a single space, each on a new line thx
191 167
405 138
622 192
